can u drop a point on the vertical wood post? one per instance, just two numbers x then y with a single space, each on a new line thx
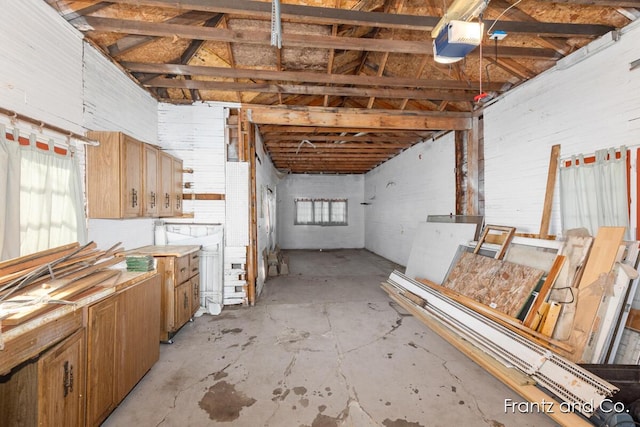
460 137
247 139
473 168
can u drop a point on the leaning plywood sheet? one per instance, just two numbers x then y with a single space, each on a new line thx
434 248
502 285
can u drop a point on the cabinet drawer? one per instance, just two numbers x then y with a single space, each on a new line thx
194 263
182 269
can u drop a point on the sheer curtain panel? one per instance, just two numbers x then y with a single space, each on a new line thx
594 194
10 188
44 203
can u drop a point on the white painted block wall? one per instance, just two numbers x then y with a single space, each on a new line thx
591 105
403 191
195 134
294 186
41 72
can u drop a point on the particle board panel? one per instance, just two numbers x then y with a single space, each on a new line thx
501 285
434 248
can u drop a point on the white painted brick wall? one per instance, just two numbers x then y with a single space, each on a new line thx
41 72
294 186
404 191
591 105
195 134
113 102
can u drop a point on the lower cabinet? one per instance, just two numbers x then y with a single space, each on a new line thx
122 345
48 391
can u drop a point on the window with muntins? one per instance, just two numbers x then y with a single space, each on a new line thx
321 212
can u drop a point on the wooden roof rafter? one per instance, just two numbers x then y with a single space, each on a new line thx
224 24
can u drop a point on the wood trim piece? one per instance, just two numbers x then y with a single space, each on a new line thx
202 196
548 197
633 321
545 289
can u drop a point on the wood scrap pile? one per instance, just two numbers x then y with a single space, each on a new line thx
33 284
571 297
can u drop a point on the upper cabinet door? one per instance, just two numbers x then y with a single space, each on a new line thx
132 177
166 184
151 197
177 187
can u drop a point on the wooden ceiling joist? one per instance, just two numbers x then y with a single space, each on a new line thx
309 90
345 117
307 77
263 38
349 138
330 16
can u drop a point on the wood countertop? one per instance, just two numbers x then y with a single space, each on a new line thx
162 250
24 341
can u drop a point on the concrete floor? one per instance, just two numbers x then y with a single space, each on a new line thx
323 347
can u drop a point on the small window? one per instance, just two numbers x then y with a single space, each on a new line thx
321 211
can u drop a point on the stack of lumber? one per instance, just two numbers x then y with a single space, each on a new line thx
33 284
570 300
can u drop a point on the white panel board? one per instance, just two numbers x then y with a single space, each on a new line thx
237 204
434 247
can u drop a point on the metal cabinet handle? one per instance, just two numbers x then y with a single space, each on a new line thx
186 301
183 269
134 198
167 200
177 201
67 379
153 199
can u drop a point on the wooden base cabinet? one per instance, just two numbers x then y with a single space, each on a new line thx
49 391
122 345
181 291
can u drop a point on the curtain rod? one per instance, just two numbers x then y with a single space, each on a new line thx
16 116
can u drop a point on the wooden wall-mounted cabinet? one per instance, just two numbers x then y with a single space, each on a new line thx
170 172
127 178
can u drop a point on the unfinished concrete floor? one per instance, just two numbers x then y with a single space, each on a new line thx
323 347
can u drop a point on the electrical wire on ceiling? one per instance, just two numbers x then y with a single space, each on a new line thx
489 33
304 141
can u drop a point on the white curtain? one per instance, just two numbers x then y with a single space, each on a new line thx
10 196
595 194
48 201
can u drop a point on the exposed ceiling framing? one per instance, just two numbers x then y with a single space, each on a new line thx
354 83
